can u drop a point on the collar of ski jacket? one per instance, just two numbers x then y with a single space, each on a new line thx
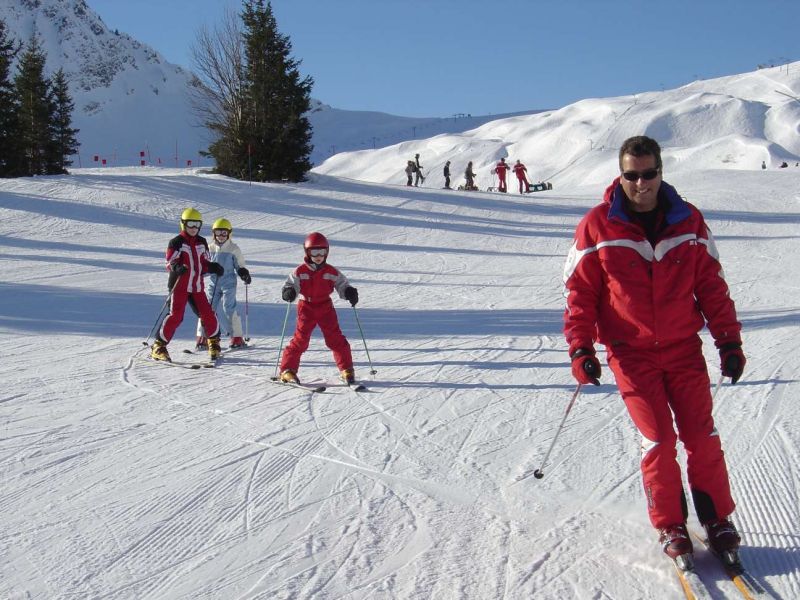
192 240
675 208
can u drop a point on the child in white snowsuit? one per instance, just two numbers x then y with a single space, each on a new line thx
221 290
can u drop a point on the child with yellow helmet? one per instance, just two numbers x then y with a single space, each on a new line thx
221 290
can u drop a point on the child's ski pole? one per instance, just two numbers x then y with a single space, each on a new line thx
160 316
246 314
371 370
280 346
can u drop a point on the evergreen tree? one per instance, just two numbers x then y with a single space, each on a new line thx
36 107
276 98
65 144
9 164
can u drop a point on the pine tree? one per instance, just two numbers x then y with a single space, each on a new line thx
36 107
276 100
65 144
9 163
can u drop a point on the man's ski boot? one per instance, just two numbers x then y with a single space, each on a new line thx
237 342
678 545
202 343
348 376
289 376
724 540
158 351
213 348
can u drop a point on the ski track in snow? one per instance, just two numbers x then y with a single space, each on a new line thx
126 479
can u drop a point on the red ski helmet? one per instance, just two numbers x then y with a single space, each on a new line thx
315 240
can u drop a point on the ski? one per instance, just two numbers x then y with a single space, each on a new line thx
317 389
181 365
691 584
748 586
356 387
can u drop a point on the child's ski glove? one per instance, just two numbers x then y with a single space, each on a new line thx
245 275
288 294
216 268
351 295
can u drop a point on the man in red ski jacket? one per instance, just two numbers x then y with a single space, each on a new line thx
642 278
520 171
501 169
315 280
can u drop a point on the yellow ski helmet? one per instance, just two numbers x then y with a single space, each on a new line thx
190 214
222 224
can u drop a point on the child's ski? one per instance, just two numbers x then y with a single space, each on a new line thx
301 386
182 365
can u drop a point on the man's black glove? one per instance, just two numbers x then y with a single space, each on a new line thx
178 268
585 366
289 294
351 295
245 275
216 268
732 360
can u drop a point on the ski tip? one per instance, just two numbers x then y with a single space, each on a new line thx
274 378
187 351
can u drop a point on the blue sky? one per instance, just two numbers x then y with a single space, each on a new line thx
436 58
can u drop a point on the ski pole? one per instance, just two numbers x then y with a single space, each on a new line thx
358 322
539 473
160 317
280 345
246 314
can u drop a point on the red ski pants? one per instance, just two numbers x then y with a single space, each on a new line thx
523 182
657 385
309 315
177 307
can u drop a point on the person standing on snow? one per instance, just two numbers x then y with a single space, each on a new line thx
418 171
410 168
446 173
501 169
187 260
314 281
520 171
643 277
221 290
469 175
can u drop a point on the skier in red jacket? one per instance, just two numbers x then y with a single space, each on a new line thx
314 281
501 168
187 260
520 171
643 278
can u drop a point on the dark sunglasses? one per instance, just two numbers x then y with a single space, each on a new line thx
636 175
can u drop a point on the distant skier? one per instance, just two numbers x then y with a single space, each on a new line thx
221 290
410 169
418 171
314 281
446 173
469 175
187 260
520 171
501 169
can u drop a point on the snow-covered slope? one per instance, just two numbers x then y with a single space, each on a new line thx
127 479
732 122
128 98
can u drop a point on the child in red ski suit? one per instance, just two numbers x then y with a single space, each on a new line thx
314 281
187 260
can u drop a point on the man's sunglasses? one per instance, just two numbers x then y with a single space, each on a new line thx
636 175
318 252
192 224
